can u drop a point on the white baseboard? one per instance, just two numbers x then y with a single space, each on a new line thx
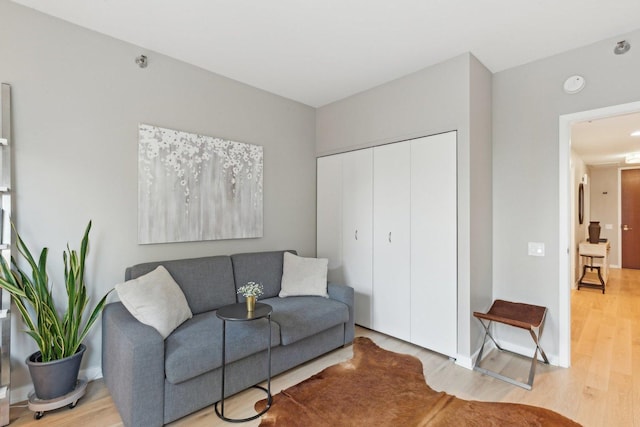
21 394
468 362
526 352
465 362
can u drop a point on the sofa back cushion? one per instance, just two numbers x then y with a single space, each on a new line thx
260 267
207 283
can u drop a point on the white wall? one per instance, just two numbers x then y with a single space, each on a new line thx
453 95
527 103
78 97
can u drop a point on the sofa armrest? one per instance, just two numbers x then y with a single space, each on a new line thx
133 367
344 294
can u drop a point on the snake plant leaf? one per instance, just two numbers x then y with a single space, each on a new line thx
57 335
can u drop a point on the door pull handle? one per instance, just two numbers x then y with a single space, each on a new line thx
389 237
356 234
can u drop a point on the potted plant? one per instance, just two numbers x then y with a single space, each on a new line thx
251 291
58 337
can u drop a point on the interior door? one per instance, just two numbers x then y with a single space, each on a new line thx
630 217
357 220
434 243
391 240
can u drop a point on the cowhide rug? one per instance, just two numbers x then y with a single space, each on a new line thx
381 388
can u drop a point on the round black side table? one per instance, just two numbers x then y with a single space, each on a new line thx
239 313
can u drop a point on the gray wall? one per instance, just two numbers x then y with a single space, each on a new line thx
481 232
437 99
527 102
78 97
579 169
604 207
427 102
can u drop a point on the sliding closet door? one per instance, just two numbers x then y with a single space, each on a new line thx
434 243
391 241
357 224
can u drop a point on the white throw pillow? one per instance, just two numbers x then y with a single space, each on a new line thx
155 299
304 276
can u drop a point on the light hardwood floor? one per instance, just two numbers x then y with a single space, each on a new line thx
602 387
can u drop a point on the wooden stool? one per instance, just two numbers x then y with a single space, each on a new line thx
519 315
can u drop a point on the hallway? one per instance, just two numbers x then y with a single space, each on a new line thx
605 342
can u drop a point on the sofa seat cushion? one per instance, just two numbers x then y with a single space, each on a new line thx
304 316
195 347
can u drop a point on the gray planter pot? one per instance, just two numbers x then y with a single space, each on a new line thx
56 378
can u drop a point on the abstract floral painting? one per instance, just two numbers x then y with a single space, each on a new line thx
194 187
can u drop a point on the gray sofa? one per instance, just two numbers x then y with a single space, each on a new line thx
154 381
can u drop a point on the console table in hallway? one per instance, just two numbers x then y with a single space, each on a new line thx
594 262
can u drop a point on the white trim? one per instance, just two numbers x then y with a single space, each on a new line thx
528 352
469 362
466 361
564 281
564 142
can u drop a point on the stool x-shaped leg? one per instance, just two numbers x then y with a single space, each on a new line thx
535 329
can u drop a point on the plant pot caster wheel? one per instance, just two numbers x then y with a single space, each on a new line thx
39 414
70 400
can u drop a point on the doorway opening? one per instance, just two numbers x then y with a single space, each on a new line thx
567 235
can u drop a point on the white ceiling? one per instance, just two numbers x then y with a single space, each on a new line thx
606 141
319 51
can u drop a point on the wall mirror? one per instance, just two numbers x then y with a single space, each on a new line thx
580 203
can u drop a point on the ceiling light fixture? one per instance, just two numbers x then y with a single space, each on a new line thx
574 84
632 158
635 133
622 46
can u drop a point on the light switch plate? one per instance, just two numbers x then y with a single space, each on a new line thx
536 249
608 226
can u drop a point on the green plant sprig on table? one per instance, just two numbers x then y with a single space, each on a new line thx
56 336
251 289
